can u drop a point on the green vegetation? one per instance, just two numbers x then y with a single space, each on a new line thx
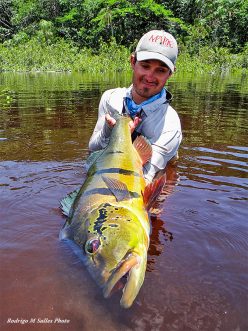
98 36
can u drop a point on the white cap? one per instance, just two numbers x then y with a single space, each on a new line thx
158 45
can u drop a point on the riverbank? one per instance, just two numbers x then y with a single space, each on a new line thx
64 56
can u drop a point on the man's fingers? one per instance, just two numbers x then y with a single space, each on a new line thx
136 121
110 120
133 124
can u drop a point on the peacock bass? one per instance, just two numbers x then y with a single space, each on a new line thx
108 218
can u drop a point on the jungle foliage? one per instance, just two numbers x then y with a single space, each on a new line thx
212 28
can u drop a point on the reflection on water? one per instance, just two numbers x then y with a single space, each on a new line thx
197 261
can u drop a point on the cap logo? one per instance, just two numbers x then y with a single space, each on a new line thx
162 40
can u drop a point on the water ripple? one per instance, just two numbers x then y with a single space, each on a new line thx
205 168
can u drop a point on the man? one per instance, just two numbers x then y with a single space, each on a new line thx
146 101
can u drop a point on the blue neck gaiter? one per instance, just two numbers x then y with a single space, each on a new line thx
134 108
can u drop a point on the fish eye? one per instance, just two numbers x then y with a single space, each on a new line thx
92 245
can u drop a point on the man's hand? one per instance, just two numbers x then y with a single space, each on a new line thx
110 120
132 124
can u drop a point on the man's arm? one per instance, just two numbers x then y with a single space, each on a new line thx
163 150
102 131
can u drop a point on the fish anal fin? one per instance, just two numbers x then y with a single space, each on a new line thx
117 188
153 190
144 148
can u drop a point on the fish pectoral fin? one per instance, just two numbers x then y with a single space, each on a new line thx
66 203
117 188
144 148
153 190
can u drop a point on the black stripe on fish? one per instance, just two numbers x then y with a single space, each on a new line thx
113 152
118 171
106 191
103 213
100 221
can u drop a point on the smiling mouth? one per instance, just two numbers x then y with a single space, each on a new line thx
123 277
147 84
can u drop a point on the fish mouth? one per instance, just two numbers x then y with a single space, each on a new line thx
126 277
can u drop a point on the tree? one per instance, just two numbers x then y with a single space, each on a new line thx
6 27
195 23
219 23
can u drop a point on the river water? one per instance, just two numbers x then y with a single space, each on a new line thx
196 277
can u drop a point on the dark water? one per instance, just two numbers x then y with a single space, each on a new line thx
197 265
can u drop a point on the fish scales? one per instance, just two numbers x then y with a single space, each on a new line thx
126 169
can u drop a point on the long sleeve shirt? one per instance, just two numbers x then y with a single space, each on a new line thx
160 125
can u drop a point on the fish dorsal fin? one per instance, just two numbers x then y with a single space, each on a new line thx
144 148
92 158
117 188
66 203
153 190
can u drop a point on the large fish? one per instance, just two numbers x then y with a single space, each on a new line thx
108 217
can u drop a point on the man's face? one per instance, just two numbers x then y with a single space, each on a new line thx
149 77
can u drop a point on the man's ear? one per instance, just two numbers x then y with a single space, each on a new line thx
171 72
133 60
